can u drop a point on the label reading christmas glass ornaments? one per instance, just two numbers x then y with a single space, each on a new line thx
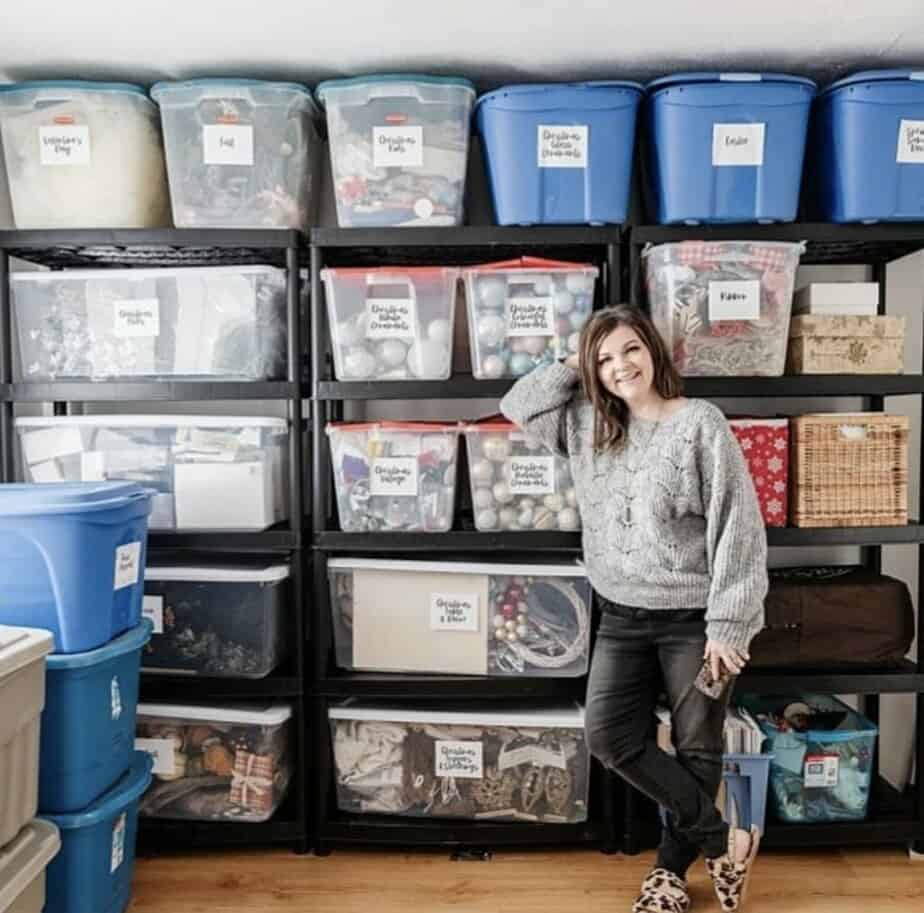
391 318
533 475
562 146
136 318
910 142
459 759
453 612
820 771
127 565
738 144
162 752
397 147
529 316
734 300
153 607
227 144
64 145
393 476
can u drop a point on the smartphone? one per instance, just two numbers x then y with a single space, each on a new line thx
711 687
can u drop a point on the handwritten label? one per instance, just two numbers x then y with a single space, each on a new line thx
459 759
738 144
911 142
821 771
227 144
531 475
734 300
115 698
153 607
390 318
136 318
400 147
562 147
117 857
453 612
127 565
64 145
530 317
394 476
162 752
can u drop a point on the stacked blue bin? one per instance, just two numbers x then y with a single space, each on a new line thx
73 556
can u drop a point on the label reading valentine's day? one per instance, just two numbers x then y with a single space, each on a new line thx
820 771
162 752
459 759
136 318
910 142
153 607
400 147
562 147
530 317
734 300
390 318
127 565
531 475
738 144
227 144
453 612
394 476
64 145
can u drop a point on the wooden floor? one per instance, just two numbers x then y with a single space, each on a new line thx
568 881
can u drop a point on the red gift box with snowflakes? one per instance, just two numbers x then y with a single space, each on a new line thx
765 442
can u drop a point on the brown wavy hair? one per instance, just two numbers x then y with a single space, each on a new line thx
611 414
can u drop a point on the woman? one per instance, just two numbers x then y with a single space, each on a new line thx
675 548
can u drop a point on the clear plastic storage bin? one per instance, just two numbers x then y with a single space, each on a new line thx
211 323
223 620
516 484
23 865
395 476
83 155
398 148
525 313
241 153
723 308
215 763
465 618
391 323
207 471
510 764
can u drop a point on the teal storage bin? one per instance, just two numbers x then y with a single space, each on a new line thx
822 767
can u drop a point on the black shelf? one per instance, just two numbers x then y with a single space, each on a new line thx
462 687
805 385
146 391
461 386
461 541
904 679
272 540
787 536
158 835
159 687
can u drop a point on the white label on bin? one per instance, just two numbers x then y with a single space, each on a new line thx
459 759
127 565
153 607
821 771
734 300
115 698
394 476
562 146
453 612
161 752
136 318
531 475
530 317
227 144
118 842
64 145
911 142
400 147
390 318
738 144
536 755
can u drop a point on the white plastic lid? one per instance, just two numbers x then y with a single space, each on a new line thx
114 275
21 646
208 574
248 714
25 858
459 567
156 421
564 716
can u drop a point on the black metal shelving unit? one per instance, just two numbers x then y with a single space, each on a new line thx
893 817
468 245
66 249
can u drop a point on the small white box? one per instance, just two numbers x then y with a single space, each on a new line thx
849 298
224 495
23 864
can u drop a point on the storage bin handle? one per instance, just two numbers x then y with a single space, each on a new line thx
739 77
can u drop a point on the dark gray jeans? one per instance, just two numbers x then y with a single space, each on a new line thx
638 655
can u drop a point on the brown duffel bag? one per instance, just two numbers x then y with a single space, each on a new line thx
831 617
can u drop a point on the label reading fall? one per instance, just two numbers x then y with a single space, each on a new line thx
397 147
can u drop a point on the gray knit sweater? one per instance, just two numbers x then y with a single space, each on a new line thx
670 518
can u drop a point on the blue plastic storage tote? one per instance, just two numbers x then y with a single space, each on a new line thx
866 152
559 154
88 726
93 871
78 549
727 147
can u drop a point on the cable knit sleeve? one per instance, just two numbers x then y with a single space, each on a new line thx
736 541
538 403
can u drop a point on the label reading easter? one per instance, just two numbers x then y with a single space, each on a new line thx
531 475
136 318
562 147
153 607
738 144
734 300
535 755
453 612
400 147
117 857
530 316
127 565
459 759
162 752
820 771
390 318
64 145
393 476
227 144
911 142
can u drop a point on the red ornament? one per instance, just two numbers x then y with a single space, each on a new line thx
508 610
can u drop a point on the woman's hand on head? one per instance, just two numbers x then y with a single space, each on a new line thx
724 658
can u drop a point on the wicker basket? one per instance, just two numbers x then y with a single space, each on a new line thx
849 469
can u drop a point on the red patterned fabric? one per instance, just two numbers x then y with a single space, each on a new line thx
765 443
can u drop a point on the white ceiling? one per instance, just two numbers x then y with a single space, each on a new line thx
490 41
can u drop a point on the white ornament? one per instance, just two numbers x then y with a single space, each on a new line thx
491 330
428 358
569 519
439 331
571 497
498 621
482 498
482 472
511 636
521 630
358 364
492 291
510 625
348 334
564 302
554 502
535 345
493 366
521 618
500 633
525 519
525 504
496 448
544 519
542 284
486 519
578 283
501 491
507 517
392 352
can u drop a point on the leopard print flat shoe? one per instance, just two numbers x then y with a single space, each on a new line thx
730 878
662 892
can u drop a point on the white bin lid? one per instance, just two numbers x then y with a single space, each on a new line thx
156 421
458 567
247 714
272 573
19 647
563 716
24 858
137 275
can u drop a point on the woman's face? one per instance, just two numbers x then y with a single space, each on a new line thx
625 366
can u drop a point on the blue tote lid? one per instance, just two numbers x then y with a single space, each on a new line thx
678 79
67 497
133 639
559 94
876 76
83 85
448 81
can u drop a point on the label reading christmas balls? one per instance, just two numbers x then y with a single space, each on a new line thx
394 476
530 316
390 318
453 612
531 475
459 759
